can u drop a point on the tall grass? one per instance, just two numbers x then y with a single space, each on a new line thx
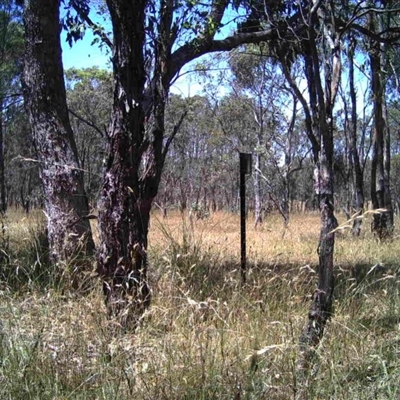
206 336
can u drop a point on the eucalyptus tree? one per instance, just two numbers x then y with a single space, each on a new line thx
319 48
315 32
354 153
66 204
152 41
380 165
313 37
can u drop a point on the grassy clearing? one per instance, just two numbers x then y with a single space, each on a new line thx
205 336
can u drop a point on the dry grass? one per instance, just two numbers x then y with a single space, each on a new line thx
206 336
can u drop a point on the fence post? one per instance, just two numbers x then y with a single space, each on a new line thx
245 169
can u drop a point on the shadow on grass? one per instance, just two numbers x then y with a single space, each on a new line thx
28 267
364 279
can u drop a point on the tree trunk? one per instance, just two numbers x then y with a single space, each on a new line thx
321 307
66 204
287 181
3 200
382 224
358 176
322 100
257 192
133 167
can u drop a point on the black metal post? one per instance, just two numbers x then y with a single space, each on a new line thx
243 225
245 168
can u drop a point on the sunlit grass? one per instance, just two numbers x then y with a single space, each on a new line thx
206 336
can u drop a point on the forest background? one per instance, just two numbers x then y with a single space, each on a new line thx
207 335
231 107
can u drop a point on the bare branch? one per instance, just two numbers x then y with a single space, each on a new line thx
303 101
87 122
174 132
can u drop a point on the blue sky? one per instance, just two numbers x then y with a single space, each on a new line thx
82 54
85 55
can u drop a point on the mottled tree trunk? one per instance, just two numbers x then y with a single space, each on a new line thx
259 118
322 99
321 306
133 167
257 191
66 204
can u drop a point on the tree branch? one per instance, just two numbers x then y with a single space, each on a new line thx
174 133
391 35
87 122
314 142
83 12
197 47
